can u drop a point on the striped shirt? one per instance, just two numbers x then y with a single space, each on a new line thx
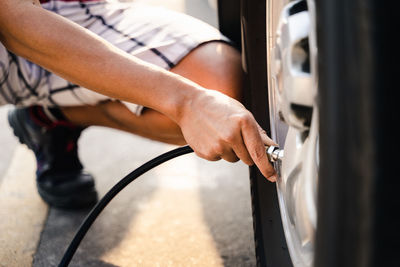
153 34
45 1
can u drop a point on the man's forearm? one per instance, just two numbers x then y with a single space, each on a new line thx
83 58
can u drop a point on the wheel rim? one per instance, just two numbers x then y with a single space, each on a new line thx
292 81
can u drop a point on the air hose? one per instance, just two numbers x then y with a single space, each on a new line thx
273 153
94 213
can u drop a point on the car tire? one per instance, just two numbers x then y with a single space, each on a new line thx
357 188
270 244
356 185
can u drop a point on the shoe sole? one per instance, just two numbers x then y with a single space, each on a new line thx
82 200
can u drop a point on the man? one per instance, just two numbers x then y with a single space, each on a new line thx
145 70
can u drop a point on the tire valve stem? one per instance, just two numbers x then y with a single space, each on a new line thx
274 153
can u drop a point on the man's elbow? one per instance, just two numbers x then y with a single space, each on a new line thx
8 43
6 38
3 39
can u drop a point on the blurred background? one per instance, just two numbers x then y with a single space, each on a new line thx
187 212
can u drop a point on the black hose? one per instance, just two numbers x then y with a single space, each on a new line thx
94 213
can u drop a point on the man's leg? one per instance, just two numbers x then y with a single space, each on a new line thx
213 65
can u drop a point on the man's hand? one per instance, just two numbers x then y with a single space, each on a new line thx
217 126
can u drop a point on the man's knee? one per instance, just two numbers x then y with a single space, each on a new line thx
214 65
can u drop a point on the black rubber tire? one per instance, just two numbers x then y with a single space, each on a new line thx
358 182
358 144
271 249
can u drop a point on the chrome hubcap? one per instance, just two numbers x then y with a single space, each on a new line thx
292 78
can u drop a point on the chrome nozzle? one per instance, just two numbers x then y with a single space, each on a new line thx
274 153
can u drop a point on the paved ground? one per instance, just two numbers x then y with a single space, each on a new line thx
188 212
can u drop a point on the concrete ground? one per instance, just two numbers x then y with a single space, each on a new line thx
187 212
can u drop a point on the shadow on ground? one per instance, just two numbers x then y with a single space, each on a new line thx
109 155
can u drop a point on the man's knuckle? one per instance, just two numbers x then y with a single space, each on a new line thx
229 137
232 159
200 154
208 155
218 149
246 119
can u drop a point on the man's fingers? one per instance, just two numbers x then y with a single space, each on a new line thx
240 150
243 154
230 156
255 146
265 138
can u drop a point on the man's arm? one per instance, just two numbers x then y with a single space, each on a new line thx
81 57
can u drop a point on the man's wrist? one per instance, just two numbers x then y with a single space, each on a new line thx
180 98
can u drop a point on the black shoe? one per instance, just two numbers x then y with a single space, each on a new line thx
61 181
